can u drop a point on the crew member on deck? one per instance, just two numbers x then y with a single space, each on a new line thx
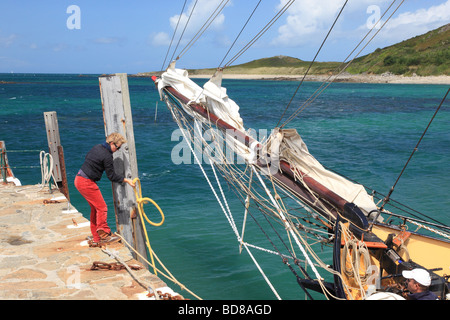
98 160
419 281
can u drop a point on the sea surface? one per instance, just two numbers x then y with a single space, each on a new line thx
363 131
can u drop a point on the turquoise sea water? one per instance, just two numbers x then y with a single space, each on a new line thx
363 131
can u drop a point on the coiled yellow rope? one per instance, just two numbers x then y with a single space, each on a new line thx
140 204
141 201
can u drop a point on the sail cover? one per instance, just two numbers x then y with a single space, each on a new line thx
290 147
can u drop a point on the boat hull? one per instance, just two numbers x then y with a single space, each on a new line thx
429 252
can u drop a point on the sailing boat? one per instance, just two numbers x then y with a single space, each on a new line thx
304 203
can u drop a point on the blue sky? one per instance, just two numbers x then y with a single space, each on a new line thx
48 36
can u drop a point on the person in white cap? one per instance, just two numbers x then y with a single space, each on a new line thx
418 282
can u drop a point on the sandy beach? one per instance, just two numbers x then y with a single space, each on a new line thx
360 78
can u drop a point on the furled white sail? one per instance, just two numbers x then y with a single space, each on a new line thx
290 147
212 95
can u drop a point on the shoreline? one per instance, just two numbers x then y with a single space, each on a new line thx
359 78
345 77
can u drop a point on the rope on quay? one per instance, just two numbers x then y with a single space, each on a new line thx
46 161
170 276
129 270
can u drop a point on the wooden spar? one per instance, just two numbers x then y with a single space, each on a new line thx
317 187
286 176
117 118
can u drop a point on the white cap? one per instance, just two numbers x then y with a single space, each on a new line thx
420 275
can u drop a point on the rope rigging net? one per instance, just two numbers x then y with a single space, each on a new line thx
283 221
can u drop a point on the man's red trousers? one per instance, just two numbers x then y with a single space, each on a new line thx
99 211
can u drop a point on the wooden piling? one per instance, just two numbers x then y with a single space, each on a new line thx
56 151
117 118
5 170
53 139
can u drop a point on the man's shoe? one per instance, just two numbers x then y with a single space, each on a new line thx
107 237
93 244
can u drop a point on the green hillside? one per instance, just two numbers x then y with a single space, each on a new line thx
424 55
279 65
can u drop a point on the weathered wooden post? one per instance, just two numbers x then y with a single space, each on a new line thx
117 117
53 139
5 170
56 151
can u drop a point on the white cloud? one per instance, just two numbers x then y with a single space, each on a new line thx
160 39
108 40
307 22
410 24
60 47
7 41
305 19
202 12
439 15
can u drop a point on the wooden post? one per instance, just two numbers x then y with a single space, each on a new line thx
52 128
57 153
63 186
5 170
117 118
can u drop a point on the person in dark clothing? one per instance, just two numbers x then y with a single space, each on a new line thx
418 282
98 160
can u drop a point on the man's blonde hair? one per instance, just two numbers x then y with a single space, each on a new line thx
116 138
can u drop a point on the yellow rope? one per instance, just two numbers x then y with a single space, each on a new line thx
140 204
169 276
141 201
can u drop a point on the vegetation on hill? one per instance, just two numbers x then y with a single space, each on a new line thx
424 55
279 65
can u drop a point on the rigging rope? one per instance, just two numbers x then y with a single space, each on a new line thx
286 224
237 178
260 33
204 27
311 63
319 91
242 29
228 216
173 36
386 199
185 26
